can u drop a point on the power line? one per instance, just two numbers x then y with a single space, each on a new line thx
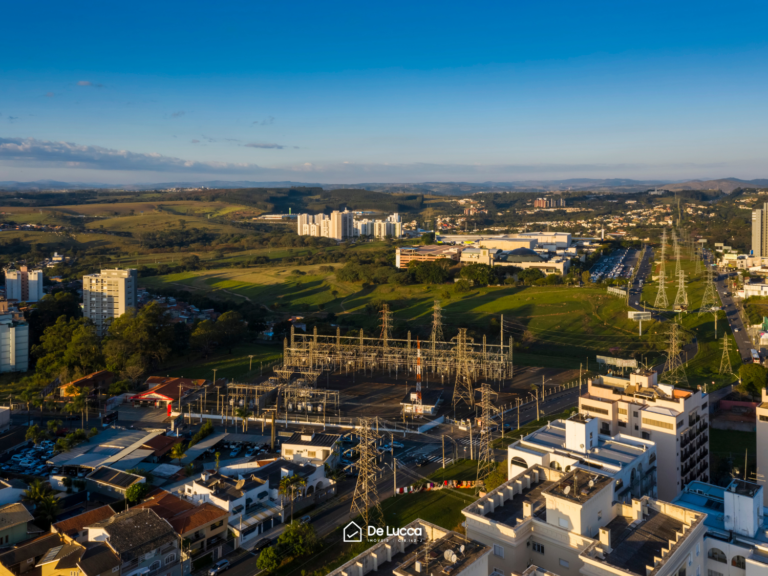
485 461
365 500
675 373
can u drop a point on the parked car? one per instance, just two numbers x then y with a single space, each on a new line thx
261 544
234 452
305 519
218 568
398 444
250 452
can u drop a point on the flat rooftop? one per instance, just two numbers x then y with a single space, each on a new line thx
636 543
451 553
579 485
512 510
609 451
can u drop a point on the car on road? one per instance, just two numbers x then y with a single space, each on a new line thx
261 544
305 519
735 329
398 444
218 568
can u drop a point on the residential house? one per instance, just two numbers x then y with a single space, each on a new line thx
75 529
313 448
111 482
13 524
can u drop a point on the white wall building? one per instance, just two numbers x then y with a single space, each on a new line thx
337 226
312 448
675 420
24 285
108 295
14 341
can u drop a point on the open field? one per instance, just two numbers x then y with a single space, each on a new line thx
233 366
113 209
566 321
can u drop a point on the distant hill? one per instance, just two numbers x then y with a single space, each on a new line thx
725 185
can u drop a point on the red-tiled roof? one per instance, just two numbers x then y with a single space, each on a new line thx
77 523
161 444
169 388
203 514
182 515
165 504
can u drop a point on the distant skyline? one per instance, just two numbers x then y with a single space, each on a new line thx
348 92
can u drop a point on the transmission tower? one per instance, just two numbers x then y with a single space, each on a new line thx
437 324
365 500
678 266
661 296
386 324
697 258
709 300
463 392
725 361
675 373
485 461
681 300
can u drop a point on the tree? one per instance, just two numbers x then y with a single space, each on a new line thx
204 338
48 310
230 329
47 510
53 426
68 347
288 487
136 492
35 434
217 455
178 451
28 397
119 387
753 377
586 277
427 238
480 274
243 414
300 538
139 339
77 404
36 491
268 560
189 469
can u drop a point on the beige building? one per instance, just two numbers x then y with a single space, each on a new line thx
408 254
108 294
761 428
675 420
421 549
572 524
24 285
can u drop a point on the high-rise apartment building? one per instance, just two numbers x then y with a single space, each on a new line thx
107 295
14 340
675 419
24 285
338 226
549 202
760 231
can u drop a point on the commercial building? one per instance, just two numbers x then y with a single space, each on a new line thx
408 254
574 524
165 391
312 448
107 295
478 256
14 340
24 285
525 258
760 231
55 555
675 420
424 549
737 537
577 443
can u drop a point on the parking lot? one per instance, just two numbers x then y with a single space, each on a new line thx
30 460
617 264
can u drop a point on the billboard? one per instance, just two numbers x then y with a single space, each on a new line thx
619 362
638 315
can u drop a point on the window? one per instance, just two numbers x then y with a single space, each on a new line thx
600 515
697 549
564 563
681 423
713 573
311 454
288 452
703 405
155 566
622 424
763 418
646 435
739 562
634 413
170 558
658 423
563 522
537 547
623 411
717 555
594 409
498 551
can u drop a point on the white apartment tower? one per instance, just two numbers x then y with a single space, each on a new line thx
14 340
760 231
107 295
675 419
24 285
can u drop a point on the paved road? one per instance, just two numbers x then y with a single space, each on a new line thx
734 319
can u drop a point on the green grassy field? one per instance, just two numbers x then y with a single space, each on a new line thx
729 449
564 322
232 366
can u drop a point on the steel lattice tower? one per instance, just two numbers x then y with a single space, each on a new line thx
485 461
463 391
437 325
365 500
386 325
697 258
675 373
681 299
661 295
709 300
678 265
725 360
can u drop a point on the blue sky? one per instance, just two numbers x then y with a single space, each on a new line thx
344 92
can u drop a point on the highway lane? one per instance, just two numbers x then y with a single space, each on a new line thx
734 319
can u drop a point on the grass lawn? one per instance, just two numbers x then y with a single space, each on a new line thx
562 322
514 435
233 366
462 469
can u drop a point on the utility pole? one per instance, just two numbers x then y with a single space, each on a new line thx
443 450
518 412
471 445
394 469
250 365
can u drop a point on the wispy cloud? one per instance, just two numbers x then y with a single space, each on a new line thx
265 145
266 122
178 114
194 141
49 94
89 83
67 154
12 118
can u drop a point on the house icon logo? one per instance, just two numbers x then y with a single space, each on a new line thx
353 533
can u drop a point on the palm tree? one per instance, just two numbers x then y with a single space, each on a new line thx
243 413
288 487
37 491
27 396
178 451
35 434
53 426
77 404
217 455
48 509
